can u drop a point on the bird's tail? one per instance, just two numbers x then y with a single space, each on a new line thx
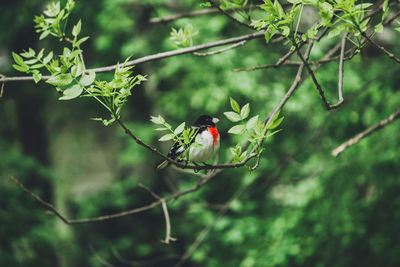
162 165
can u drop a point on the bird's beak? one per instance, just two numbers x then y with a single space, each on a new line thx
215 120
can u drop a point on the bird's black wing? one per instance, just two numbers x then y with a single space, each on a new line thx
177 150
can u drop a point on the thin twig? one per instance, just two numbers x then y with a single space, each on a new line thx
381 48
241 43
288 63
196 13
293 87
281 61
167 223
80 54
48 205
99 258
166 215
257 163
176 195
311 72
340 80
230 16
390 20
2 86
365 133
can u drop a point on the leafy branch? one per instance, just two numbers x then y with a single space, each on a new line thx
67 71
254 129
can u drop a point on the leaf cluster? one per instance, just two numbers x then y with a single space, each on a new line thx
254 129
113 94
54 20
183 37
67 71
342 16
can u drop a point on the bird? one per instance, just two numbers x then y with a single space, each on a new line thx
204 145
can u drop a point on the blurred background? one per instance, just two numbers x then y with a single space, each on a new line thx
302 207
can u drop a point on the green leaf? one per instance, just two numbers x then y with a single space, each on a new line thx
166 137
385 9
77 29
157 120
60 80
379 27
44 35
37 66
363 6
31 61
23 68
48 58
285 30
274 132
275 123
77 69
268 36
237 129
18 59
252 122
87 80
40 54
74 53
161 129
336 31
72 92
235 106
80 41
37 76
279 9
66 52
180 128
245 111
232 116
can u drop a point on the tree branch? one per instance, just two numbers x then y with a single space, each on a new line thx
48 205
381 48
162 55
340 82
336 152
53 210
202 181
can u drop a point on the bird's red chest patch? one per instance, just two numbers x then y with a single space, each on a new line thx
214 132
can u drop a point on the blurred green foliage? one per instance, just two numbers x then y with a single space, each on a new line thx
302 207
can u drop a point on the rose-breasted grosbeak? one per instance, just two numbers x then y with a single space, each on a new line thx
206 142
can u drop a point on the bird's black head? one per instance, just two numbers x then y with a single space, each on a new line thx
205 120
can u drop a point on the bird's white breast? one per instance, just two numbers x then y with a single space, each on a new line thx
202 149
